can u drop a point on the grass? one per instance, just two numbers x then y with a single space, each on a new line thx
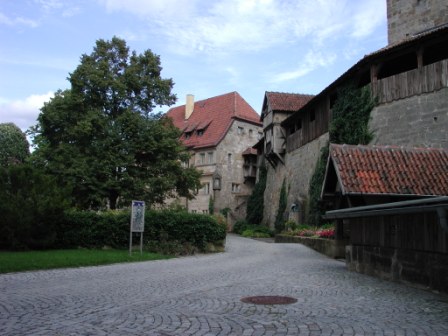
40 260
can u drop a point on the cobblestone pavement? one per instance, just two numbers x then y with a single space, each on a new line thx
200 295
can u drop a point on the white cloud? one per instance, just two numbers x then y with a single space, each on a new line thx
23 113
310 62
224 26
370 14
17 21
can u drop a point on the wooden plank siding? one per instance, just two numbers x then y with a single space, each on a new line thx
429 78
310 129
420 232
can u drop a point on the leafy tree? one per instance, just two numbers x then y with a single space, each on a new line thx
101 136
255 203
14 147
31 206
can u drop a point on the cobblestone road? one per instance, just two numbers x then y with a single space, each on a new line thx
201 295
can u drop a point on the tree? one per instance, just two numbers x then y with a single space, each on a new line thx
101 136
14 147
282 203
255 203
31 203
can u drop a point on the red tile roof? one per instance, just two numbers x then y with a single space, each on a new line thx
281 101
213 115
391 170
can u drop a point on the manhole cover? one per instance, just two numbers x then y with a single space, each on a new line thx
268 300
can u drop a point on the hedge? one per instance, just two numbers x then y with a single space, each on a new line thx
93 230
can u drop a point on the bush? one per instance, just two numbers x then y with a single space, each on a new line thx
165 231
240 226
31 208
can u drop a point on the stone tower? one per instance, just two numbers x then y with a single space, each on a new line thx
406 18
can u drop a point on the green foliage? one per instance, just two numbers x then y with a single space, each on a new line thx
211 205
31 208
163 229
350 116
224 212
255 203
240 226
50 259
315 206
250 233
14 147
101 138
282 203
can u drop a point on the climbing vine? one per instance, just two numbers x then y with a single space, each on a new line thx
255 203
282 202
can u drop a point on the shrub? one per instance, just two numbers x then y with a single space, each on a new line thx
31 207
257 231
240 226
165 231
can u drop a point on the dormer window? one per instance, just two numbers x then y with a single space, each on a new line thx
187 135
200 132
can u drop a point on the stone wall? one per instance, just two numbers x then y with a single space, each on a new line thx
330 247
418 121
297 172
426 269
408 17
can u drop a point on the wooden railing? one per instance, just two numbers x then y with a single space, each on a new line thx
429 78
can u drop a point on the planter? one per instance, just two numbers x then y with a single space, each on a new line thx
330 247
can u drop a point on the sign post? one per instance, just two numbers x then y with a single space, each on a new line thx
137 223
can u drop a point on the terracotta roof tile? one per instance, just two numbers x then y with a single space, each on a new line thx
213 115
391 170
250 151
280 101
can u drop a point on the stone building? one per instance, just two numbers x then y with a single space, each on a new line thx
220 132
409 77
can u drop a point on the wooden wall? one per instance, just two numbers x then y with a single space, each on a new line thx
420 232
429 78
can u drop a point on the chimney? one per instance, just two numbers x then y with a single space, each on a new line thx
189 106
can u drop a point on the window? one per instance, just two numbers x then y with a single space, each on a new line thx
193 211
202 158
251 133
210 157
260 135
187 135
235 188
206 188
205 211
240 130
229 159
200 132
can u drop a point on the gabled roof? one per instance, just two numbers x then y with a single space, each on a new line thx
280 101
385 170
213 116
286 102
250 151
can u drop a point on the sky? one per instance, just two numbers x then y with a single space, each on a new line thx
208 47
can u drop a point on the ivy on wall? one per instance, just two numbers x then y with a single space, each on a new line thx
282 202
255 203
349 125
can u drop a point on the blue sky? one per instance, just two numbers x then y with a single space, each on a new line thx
208 47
